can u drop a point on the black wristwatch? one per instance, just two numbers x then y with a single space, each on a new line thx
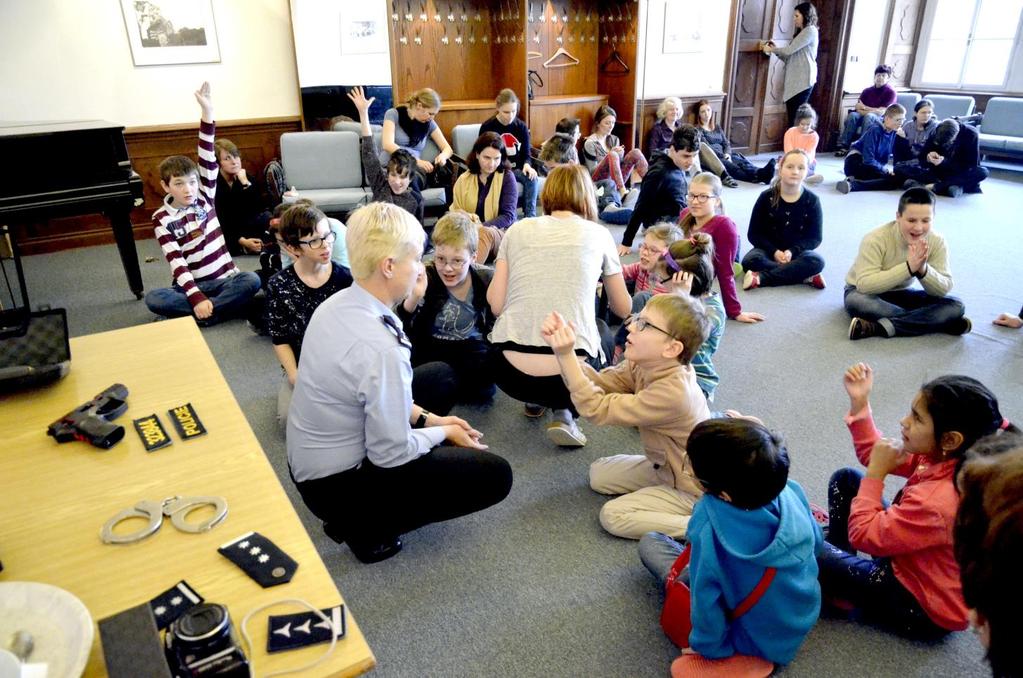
421 421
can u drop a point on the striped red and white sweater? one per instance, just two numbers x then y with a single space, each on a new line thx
190 237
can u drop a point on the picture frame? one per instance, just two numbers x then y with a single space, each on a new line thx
363 28
162 32
683 28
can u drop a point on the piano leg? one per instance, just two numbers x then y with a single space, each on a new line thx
120 222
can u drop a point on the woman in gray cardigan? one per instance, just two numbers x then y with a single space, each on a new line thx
800 57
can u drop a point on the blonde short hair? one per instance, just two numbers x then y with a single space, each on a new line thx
377 231
686 321
570 188
456 230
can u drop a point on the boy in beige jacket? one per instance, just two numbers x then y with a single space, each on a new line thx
655 390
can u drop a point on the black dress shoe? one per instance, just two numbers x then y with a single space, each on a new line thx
375 552
334 532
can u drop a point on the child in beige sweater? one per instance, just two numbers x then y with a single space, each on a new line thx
655 390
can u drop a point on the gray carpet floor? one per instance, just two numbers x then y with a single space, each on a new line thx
533 586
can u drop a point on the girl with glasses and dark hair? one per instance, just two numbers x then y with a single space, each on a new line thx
293 294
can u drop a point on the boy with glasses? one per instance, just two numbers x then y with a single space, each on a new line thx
654 389
447 315
293 294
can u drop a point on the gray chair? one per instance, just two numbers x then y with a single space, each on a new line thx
908 100
463 137
1001 131
432 197
951 105
324 167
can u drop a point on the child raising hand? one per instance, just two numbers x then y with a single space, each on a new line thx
654 389
910 582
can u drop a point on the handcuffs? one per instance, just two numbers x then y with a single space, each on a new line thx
176 508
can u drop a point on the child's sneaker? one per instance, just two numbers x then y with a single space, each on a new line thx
816 281
565 434
843 186
729 181
861 329
735 666
814 179
751 280
963 326
534 411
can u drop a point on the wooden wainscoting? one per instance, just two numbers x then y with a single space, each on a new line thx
258 142
647 111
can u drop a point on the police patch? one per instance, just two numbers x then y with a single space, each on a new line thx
186 421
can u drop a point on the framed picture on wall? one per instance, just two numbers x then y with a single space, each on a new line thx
164 32
363 28
683 28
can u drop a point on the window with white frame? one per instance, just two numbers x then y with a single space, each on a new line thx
970 44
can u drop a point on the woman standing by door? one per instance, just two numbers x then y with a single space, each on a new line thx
800 57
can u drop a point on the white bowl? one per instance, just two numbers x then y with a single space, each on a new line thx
60 625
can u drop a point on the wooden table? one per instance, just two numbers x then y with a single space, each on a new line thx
55 497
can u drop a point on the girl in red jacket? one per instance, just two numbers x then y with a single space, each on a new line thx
910 583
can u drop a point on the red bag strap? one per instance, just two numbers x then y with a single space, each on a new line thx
680 564
755 595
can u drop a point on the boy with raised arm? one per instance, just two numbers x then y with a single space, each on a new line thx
206 283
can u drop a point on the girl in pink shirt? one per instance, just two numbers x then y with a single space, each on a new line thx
804 136
910 583
702 216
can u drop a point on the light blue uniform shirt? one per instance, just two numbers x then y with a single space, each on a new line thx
353 395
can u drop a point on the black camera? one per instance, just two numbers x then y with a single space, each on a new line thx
201 642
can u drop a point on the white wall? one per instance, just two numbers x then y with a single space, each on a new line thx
697 72
318 43
70 60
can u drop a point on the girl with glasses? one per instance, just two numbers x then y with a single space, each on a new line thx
701 216
654 389
294 293
446 316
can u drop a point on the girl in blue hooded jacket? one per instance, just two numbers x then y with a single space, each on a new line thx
751 518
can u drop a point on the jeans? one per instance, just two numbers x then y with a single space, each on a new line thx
434 387
804 265
658 552
855 123
530 188
740 168
229 295
906 313
869 584
469 359
369 504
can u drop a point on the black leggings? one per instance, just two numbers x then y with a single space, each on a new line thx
795 102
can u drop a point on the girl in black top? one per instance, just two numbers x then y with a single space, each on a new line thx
784 229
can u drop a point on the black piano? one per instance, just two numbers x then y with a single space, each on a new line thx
60 169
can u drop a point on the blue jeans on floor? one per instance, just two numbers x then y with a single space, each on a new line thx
229 295
530 188
869 584
803 265
659 552
854 126
906 313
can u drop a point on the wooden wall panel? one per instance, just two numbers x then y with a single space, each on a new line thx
647 112
258 142
544 113
904 30
619 35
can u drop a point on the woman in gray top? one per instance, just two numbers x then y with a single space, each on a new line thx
800 57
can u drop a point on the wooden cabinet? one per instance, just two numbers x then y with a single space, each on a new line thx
468 51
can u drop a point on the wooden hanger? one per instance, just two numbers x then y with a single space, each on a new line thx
561 52
615 59
533 55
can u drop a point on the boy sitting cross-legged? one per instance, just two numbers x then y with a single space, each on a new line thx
655 390
206 283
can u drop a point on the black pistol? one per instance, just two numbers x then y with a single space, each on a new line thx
91 422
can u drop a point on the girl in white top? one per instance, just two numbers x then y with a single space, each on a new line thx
549 263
